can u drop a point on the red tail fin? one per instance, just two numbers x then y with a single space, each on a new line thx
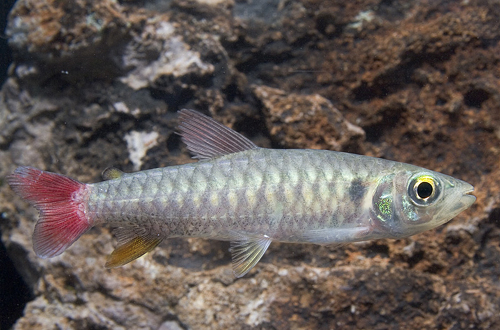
61 202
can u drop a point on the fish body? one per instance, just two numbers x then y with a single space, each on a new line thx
247 195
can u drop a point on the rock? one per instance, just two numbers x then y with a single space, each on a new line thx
307 122
138 143
52 32
167 55
408 81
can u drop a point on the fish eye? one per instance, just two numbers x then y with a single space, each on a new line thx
423 190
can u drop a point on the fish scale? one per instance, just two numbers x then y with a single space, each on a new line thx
248 195
238 190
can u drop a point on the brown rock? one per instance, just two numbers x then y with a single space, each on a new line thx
307 122
54 32
419 78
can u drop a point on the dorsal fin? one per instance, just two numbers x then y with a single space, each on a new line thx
206 138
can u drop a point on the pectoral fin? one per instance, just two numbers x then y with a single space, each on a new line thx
131 250
246 251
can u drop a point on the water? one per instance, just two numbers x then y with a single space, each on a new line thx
99 83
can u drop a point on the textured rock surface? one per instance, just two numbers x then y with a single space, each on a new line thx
307 122
411 81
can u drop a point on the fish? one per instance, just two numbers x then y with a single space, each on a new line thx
244 194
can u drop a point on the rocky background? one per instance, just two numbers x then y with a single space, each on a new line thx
98 83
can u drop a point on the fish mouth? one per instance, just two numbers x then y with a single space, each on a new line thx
468 195
458 202
468 189
469 192
467 198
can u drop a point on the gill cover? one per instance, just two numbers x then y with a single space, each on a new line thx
383 210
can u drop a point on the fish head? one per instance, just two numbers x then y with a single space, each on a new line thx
414 200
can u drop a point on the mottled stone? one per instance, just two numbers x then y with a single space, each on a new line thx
419 78
307 121
48 35
167 55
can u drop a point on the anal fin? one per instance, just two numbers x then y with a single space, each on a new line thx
246 251
131 250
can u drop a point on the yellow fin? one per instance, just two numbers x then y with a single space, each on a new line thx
111 173
131 250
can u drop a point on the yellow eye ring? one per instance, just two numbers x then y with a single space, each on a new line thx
423 189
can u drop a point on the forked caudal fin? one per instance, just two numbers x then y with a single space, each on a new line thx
61 202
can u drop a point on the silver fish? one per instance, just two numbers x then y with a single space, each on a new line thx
247 195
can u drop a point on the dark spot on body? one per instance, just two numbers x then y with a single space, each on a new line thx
357 191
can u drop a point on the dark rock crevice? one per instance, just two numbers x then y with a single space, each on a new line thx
5 51
14 293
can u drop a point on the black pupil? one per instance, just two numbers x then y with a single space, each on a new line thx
424 190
